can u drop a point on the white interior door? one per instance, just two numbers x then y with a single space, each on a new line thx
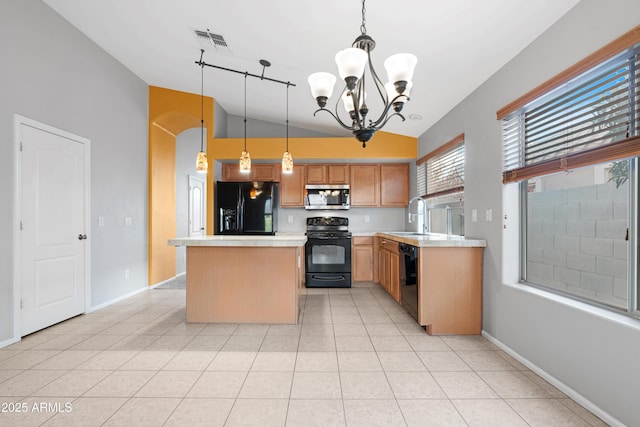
196 207
53 243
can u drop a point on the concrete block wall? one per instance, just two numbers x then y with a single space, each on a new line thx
576 241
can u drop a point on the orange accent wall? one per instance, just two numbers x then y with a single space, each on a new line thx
172 112
383 145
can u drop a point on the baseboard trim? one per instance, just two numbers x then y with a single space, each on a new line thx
8 342
166 281
117 299
599 412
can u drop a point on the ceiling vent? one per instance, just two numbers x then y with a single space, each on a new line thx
206 39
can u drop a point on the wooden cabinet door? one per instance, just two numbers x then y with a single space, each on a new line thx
394 184
316 174
364 185
292 188
231 172
338 174
362 264
265 172
394 275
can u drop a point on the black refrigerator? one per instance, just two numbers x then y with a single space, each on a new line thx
246 208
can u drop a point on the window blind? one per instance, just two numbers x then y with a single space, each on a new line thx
442 171
595 110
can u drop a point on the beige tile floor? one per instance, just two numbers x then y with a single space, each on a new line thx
355 359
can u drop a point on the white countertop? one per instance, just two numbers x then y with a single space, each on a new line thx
249 241
433 239
293 239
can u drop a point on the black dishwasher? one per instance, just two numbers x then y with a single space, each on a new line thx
409 278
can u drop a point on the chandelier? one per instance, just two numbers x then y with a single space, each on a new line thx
351 67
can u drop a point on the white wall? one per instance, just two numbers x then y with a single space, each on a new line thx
53 74
591 351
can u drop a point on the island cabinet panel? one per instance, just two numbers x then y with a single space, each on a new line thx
394 185
364 185
292 188
362 268
450 290
243 284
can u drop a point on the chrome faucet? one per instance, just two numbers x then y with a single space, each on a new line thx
420 215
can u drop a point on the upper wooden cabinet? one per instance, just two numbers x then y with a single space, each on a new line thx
266 172
337 174
371 185
385 185
316 174
327 174
364 185
292 188
394 184
259 172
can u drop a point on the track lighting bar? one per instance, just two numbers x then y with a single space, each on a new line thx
201 63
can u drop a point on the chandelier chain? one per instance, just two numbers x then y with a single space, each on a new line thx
363 27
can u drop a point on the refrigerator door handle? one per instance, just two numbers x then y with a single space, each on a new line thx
238 213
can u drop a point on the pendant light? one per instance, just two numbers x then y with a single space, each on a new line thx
287 159
245 158
202 164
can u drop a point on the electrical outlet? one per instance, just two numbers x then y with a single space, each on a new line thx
128 221
290 219
489 215
100 221
126 273
474 215
366 218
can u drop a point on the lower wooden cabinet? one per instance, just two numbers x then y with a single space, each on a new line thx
389 267
362 259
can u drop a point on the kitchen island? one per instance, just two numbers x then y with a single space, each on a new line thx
242 279
449 279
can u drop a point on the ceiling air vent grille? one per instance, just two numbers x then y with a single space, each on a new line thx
205 37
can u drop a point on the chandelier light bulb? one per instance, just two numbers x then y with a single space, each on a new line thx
351 62
322 84
400 67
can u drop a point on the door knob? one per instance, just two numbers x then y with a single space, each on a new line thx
82 236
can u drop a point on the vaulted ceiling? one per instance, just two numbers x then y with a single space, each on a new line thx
459 44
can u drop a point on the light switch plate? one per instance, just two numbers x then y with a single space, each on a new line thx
366 218
100 221
474 215
489 215
128 221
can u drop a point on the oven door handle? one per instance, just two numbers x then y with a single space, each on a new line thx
328 278
328 238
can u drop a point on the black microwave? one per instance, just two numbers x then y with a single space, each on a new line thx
321 196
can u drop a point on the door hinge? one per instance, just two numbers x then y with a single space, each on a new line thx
21 146
21 304
21 226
